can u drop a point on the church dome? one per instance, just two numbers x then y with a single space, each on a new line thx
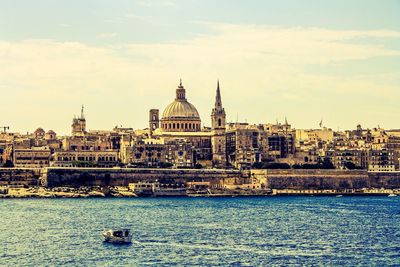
180 115
39 131
180 109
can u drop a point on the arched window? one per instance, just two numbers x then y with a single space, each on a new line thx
219 122
173 126
177 125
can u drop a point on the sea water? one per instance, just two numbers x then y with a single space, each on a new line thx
239 231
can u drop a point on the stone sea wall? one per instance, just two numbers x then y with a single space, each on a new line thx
326 179
74 177
19 176
274 179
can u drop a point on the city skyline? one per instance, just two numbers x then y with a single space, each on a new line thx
273 61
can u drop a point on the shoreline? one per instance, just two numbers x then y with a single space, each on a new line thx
121 192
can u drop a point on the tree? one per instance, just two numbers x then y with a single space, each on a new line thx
327 164
198 166
270 165
350 165
165 165
8 164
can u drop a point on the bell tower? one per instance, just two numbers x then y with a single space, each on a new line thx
154 120
218 137
79 124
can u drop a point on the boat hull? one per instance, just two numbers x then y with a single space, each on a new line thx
170 192
110 238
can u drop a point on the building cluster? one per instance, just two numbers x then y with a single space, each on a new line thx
178 139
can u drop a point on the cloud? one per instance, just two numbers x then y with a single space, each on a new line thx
157 3
263 71
107 35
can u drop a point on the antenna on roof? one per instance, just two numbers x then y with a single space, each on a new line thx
82 115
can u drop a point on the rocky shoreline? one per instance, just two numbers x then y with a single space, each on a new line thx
118 192
61 192
112 192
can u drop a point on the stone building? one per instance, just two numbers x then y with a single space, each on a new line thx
201 142
35 157
381 160
79 125
86 158
280 145
160 152
344 158
245 144
281 140
180 153
86 148
143 152
313 136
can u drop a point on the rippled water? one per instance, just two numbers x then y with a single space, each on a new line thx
269 231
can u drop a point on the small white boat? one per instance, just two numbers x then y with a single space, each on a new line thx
122 236
339 195
392 195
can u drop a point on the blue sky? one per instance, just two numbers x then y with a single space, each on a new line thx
307 60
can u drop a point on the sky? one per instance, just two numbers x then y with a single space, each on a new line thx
308 60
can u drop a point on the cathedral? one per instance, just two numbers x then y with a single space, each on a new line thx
181 121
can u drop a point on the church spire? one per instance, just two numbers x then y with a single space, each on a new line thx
218 100
218 130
